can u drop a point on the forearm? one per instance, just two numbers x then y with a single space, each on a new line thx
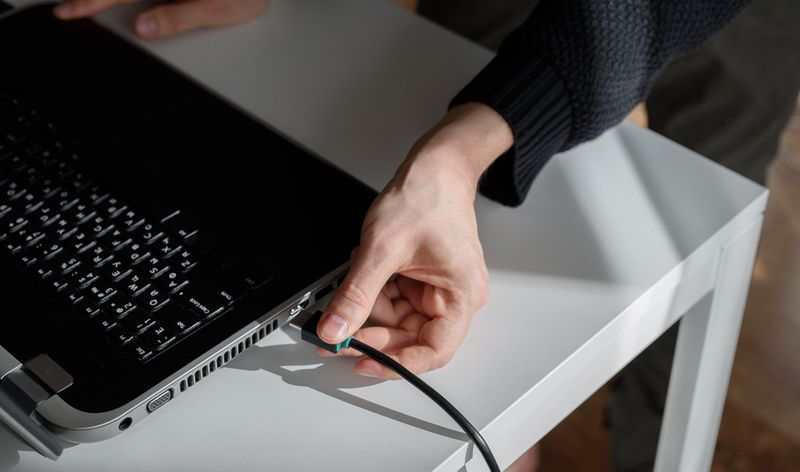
576 68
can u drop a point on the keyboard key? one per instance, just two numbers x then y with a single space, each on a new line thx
73 296
94 194
61 170
99 291
129 220
172 280
42 272
178 319
57 283
82 276
166 247
153 267
98 255
45 215
182 225
133 253
198 300
159 337
115 270
104 321
219 283
147 233
152 299
253 273
119 335
111 207
15 224
78 182
119 306
12 246
86 308
62 229
183 260
133 284
29 238
46 158
79 242
138 321
15 163
140 350
64 262
12 191
5 209
46 249
79 213
116 239
64 200
157 204
28 202
30 176
98 225
26 259
47 187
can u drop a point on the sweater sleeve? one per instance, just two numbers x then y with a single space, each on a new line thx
576 68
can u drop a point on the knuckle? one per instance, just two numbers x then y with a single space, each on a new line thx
167 20
354 295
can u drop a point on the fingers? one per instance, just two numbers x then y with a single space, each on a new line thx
170 18
173 18
74 9
351 305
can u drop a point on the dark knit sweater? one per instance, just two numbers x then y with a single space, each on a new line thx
577 67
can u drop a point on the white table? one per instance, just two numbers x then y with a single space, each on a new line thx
617 240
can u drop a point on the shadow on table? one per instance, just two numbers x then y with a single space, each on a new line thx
330 377
10 447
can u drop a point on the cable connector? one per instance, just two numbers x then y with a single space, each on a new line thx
307 323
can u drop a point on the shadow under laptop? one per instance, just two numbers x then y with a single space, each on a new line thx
10 447
329 376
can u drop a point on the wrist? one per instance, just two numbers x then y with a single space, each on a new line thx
466 141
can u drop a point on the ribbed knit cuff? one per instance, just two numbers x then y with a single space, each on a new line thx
530 96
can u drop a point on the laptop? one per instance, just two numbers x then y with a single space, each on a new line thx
150 232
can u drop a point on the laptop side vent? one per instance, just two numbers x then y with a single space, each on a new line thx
227 356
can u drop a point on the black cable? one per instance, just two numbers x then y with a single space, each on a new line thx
448 407
307 323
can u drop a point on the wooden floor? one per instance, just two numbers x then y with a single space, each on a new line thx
760 429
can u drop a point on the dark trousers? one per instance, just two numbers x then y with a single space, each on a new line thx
729 101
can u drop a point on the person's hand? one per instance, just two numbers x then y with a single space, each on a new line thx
422 228
172 17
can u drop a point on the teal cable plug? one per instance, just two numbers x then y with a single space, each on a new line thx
307 323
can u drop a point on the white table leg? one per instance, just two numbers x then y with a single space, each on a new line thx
703 358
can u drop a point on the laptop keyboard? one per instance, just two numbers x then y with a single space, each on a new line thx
139 277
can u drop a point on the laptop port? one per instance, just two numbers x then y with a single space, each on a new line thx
159 401
323 291
125 424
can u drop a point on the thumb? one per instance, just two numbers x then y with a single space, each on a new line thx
350 307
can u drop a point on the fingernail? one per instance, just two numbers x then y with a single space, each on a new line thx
146 26
323 353
333 328
368 371
64 10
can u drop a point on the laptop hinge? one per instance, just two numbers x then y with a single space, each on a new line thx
21 391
